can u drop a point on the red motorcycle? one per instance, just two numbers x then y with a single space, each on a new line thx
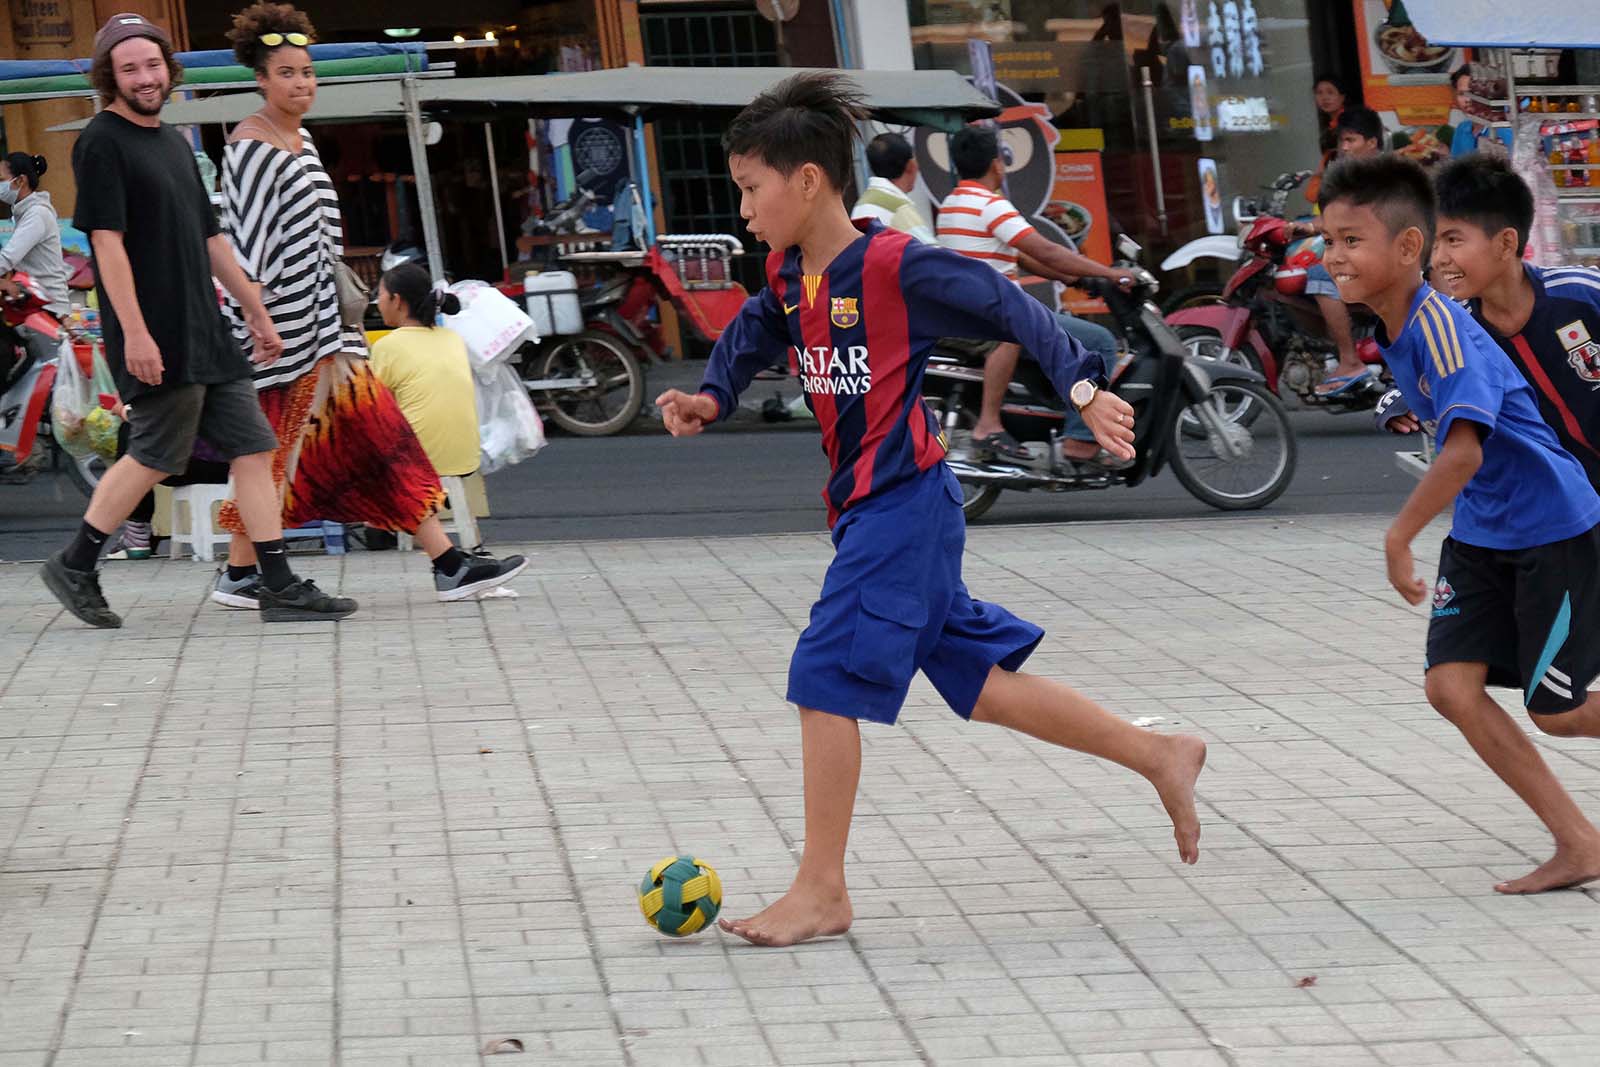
26 384
1267 322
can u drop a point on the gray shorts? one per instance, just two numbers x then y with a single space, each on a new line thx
1320 283
163 423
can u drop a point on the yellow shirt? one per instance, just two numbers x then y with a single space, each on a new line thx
430 374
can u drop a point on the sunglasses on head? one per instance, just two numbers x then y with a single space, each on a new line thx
273 40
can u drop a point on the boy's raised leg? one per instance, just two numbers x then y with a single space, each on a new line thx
816 904
1456 690
1053 712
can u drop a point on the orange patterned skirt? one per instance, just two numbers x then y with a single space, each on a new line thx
345 452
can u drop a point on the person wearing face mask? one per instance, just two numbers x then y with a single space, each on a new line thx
34 249
345 450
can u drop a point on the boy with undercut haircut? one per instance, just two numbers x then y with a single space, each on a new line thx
859 311
1546 320
1517 601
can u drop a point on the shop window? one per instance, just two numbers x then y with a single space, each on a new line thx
696 194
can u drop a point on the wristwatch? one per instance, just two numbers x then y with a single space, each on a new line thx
1083 393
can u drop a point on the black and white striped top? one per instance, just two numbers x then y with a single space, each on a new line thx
282 215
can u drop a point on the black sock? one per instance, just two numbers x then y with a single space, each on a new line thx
239 574
84 552
449 561
274 558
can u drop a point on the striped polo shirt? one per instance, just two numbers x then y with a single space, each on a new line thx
978 222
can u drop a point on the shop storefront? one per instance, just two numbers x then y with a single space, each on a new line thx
1187 104
1171 107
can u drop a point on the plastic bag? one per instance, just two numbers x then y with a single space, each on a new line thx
491 323
80 415
509 429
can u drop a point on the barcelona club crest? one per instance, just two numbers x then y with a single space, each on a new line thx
843 311
1582 351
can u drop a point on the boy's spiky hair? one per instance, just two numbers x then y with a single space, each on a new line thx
807 118
1396 189
1485 191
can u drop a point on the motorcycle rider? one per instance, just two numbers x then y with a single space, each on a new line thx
977 221
1360 134
34 249
894 175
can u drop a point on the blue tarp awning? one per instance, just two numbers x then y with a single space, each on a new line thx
12 69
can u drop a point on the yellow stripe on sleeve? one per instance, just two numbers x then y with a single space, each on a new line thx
1455 337
1444 331
1433 346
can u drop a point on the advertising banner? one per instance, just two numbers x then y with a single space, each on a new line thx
1078 206
1401 71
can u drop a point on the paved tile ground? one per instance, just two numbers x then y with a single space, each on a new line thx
397 839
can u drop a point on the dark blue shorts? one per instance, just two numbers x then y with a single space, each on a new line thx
893 603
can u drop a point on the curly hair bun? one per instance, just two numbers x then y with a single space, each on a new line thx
261 18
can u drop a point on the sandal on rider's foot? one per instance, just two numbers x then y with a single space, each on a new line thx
1106 461
1342 383
1004 446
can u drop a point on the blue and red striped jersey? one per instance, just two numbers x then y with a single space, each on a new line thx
1558 352
859 335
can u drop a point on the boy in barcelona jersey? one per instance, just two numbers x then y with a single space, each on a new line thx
858 312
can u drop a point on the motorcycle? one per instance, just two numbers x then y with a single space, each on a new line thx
26 385
592 382
1224 251
1267 324
1179 407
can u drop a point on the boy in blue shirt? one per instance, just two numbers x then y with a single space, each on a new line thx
858 312
1546 320
1517 600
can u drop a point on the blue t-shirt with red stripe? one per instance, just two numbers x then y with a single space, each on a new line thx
859 336
1529 491
1558 352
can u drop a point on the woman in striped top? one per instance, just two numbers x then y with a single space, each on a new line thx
345 450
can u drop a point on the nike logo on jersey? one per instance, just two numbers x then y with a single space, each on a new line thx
790 309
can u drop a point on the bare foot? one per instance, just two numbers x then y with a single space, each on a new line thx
1174 780
1567 869
802 914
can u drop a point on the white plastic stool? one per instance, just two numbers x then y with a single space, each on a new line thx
198 533
461 523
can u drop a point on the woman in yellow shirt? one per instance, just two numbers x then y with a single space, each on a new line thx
428 371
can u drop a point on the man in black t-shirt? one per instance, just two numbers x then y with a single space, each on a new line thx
156 247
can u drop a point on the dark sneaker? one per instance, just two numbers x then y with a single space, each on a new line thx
79 592
301 599
244 593
476 575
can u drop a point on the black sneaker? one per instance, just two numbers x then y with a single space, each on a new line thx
301 599
79 592
476 575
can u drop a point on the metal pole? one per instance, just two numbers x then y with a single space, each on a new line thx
644 180
494 184
1155 147
419 163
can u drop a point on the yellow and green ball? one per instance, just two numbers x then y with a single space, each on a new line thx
680 895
